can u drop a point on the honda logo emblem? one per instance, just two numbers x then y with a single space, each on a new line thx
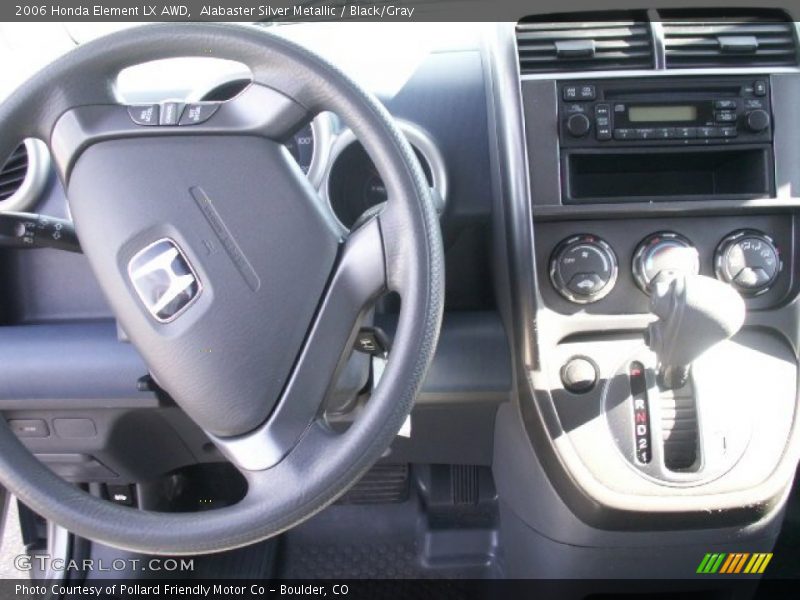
164 280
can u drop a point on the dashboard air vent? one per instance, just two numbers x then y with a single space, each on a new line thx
13 172
562 43
24 175
702 39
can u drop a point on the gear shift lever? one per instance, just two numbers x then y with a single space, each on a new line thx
694 313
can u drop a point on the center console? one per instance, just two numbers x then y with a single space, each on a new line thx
625 182
659 149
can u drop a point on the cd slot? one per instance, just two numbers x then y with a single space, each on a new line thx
658 174
679 93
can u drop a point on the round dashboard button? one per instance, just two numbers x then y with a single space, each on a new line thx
579 375
749 260
583 269
664 253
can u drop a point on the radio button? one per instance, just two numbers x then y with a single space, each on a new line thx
709 132
725 116
570 92
753 103
623 134
587 92
602 110
725 104
686 133
760 88
603 133
729 132
666 133
645 133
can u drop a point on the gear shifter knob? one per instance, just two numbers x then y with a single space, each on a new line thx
694 313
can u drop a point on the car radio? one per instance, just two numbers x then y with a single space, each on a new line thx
674 111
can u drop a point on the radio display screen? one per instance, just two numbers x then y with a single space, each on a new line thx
662 114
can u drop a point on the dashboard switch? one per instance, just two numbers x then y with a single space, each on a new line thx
73 429
29 428
121 494
579 375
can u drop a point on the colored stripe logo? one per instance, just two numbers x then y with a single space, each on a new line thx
734 563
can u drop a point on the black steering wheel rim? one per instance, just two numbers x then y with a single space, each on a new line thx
318 465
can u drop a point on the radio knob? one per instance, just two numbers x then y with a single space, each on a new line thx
578 125
757 120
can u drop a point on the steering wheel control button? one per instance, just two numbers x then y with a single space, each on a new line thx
144 114
583 269
579 375
749 260
164 280
29 428
170 113
198 112
663 254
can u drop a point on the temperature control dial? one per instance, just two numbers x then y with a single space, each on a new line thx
749 260
663 254
583 269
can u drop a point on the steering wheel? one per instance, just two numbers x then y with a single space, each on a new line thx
229 276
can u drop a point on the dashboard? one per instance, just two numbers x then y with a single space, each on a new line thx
578 161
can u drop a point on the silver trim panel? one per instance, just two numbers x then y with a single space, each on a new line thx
417 137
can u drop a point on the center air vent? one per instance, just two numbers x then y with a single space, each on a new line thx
588 45
758 39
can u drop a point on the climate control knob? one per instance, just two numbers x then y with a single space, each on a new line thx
583 269
663 254
749 260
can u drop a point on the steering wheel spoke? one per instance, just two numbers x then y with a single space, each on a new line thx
256 111
358 280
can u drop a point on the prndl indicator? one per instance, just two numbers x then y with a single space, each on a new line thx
641 413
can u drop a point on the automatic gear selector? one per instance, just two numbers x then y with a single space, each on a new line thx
694 313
